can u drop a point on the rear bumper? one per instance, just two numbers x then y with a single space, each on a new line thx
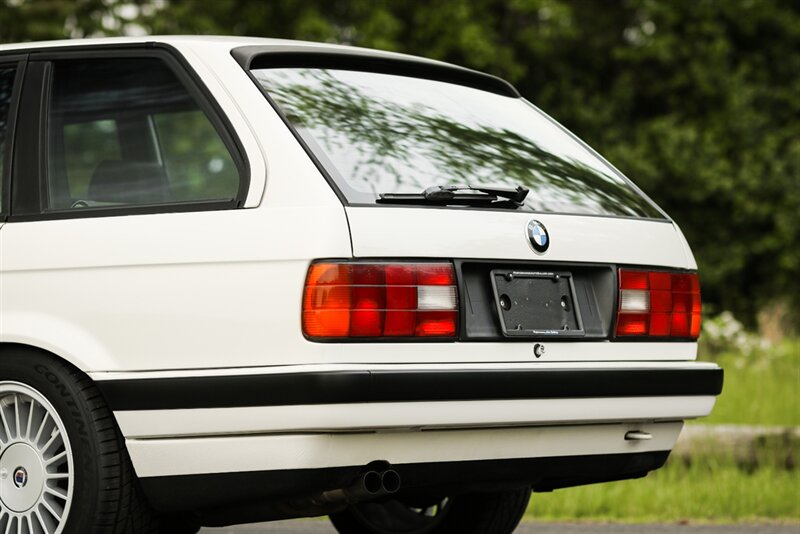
272 434
346 416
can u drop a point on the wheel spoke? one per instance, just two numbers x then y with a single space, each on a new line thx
41 428
50 509
50 441
56 492
30 420
56 458
6 428
40 520
18 429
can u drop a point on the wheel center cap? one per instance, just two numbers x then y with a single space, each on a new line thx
24 478
20 477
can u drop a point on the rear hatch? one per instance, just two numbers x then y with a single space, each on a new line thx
426 158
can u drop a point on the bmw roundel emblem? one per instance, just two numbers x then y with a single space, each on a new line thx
20 477
538 237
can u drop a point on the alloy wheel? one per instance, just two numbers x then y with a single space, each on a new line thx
36 463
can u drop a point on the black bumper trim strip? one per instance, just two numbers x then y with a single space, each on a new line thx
348 387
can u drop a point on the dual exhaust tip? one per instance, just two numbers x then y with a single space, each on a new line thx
378 483
369 485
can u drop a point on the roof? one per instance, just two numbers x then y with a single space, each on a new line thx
248 49
228 42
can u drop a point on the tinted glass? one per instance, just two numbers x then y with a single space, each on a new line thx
6 88
127 132
194 156
381 133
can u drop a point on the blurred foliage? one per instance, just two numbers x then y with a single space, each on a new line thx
697 101
761 385
723 334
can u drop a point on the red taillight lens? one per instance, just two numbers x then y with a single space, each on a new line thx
380 300
658 304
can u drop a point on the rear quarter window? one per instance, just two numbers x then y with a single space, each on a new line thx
126 132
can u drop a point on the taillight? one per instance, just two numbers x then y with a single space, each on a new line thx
380 300
658 304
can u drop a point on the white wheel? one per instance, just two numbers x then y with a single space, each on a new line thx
36 463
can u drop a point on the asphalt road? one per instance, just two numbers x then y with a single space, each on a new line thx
322 527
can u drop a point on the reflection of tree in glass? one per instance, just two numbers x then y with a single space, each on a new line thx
390 148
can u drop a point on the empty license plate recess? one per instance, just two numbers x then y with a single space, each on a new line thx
536 303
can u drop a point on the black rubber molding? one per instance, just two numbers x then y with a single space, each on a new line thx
347 387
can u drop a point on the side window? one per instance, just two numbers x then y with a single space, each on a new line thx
6 88
126 132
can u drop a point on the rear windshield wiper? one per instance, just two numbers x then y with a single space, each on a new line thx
466 195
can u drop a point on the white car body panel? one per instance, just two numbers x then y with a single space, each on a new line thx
207 294
454 233
165 277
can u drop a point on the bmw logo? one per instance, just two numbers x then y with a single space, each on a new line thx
538 237
20 477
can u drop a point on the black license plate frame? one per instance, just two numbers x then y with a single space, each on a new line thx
530 304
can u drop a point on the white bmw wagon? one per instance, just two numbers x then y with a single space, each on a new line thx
246 280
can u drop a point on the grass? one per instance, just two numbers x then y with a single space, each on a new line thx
762 388
698 493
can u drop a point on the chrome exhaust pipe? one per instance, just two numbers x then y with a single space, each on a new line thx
369 485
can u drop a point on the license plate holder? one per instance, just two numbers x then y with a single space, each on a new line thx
536 304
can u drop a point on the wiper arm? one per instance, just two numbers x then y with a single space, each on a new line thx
460 194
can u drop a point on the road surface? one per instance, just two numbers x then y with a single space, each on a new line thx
323 527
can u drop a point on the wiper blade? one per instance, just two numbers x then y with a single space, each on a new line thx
468 195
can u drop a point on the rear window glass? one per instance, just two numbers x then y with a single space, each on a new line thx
382 133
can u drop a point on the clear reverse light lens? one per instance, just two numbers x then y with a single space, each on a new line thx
436 298
634 300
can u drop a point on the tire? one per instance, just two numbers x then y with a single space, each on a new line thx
479 513
95 487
